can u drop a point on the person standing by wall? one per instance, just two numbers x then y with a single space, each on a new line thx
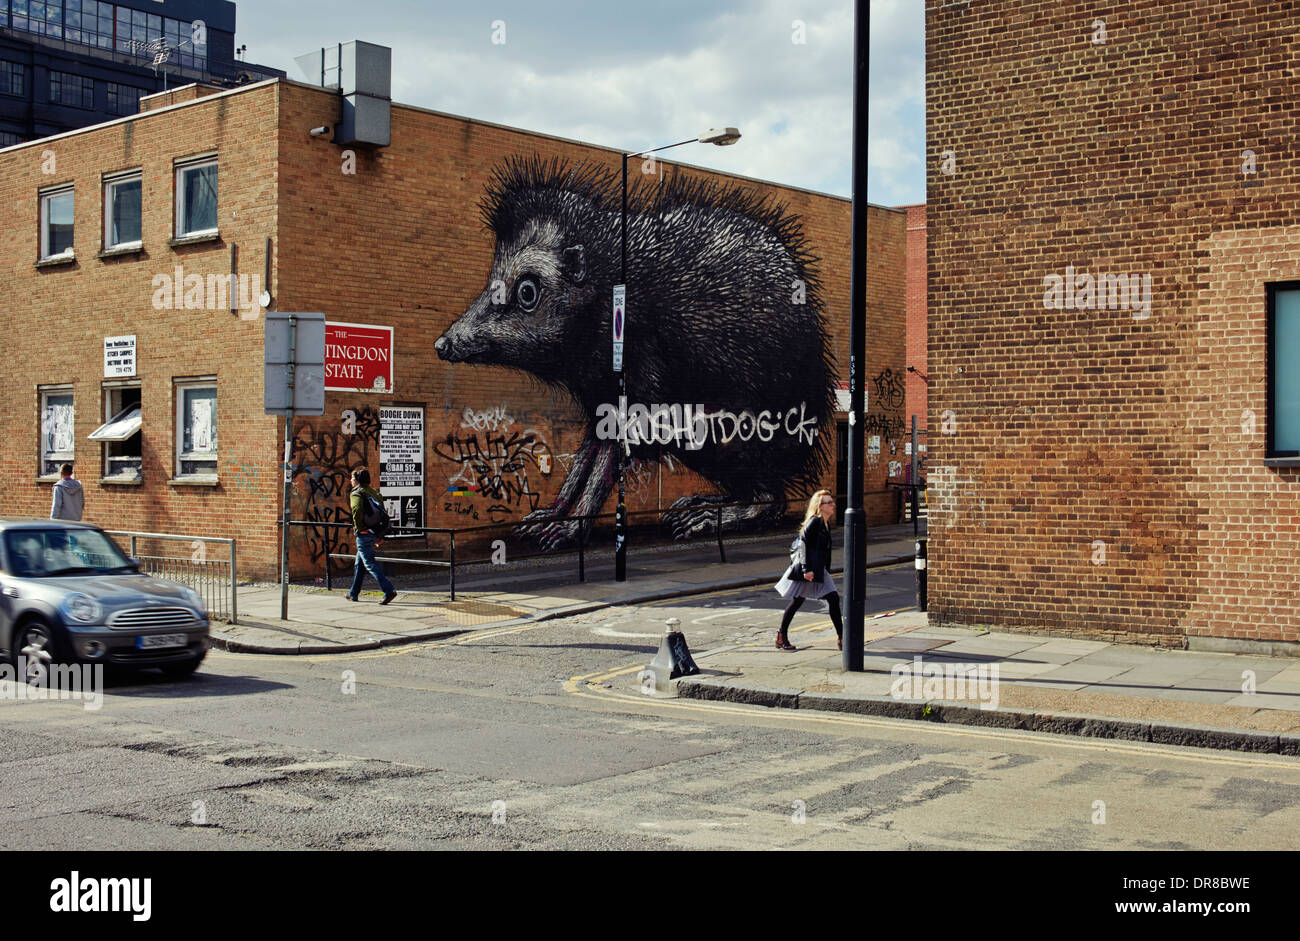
366 539
813 578
69 497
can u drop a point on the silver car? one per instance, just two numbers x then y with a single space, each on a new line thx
68 594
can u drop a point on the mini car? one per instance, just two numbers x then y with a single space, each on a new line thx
69 594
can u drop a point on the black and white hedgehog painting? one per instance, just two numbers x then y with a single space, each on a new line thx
724 310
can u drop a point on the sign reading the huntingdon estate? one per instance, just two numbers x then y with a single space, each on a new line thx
358 358
119 357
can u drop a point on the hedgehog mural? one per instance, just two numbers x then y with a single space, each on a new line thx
723 311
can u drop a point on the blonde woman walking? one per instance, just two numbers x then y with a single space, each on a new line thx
813 578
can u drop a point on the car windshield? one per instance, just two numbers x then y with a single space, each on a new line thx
44 553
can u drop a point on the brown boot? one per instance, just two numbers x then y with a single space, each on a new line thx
782 643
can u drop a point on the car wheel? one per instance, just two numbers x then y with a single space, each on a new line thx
36 646
178 671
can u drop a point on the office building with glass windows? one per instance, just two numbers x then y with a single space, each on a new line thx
66 64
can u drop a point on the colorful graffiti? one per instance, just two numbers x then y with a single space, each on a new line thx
323 455
724 309
493 466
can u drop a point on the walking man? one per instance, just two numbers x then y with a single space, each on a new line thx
362 494
69 498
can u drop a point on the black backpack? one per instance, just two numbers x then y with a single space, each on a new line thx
374 517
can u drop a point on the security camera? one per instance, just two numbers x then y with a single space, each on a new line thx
321 131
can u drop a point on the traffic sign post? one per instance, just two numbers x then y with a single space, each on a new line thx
295 382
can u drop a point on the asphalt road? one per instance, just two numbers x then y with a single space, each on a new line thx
486 741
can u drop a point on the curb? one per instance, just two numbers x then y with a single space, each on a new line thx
232 645
954 713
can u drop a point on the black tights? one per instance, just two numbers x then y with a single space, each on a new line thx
833 599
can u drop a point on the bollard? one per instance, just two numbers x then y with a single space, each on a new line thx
921 590
674 657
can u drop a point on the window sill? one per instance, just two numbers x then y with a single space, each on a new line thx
194 481
196 239
1282 462
57 260
117 251
48 479
122 481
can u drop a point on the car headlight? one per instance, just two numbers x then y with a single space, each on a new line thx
83 608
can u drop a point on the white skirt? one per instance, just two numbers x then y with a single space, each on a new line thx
788 587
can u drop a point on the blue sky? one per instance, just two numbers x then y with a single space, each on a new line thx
634 74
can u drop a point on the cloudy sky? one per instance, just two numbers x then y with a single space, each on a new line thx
642 73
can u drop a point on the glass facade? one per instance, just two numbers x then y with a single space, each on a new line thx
109 26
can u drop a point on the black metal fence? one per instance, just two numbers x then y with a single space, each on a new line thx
576 537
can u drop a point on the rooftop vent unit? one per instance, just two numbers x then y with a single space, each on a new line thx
362 73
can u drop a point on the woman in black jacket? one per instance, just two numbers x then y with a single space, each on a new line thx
812 579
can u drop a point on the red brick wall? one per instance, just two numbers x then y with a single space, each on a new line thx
1101 476
400 243
56 319
916 313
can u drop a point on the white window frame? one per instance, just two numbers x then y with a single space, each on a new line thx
115 412
54 457
46 195
182 168
181 387
110 182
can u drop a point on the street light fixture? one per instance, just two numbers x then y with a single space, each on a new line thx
718 137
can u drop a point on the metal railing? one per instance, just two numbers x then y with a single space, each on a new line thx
582 534
213 579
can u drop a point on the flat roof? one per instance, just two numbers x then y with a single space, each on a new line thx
444 114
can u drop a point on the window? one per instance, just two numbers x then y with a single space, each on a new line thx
13 78
196 428
1284 372
56 223
120 433
123 99
122 210
75 91
8 140
56 429
196 198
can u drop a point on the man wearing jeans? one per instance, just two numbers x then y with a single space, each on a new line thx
366 541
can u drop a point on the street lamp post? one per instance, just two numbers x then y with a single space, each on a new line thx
721 138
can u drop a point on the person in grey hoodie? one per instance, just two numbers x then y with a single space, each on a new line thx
69 498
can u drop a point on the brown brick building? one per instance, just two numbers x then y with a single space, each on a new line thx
121 240
1114 246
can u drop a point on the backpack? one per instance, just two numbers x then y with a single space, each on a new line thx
375 517
798 556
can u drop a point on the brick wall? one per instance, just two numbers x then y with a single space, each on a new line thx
1100 477
397 242
916 313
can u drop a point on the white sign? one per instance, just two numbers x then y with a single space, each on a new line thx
619 322
401 464
119 357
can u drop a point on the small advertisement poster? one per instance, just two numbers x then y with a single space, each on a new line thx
119 357
401 464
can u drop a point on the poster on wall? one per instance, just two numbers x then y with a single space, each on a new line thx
119 357
401 464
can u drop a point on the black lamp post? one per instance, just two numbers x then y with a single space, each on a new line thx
721 138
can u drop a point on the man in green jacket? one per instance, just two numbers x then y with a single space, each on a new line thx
366 541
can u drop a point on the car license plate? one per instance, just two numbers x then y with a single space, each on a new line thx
154 641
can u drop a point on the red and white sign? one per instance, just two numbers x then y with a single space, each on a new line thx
358 358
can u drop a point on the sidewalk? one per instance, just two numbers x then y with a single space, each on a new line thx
1073 687
323 621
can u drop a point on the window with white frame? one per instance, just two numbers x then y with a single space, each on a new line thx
56 222
1284 372
196 198
122 210
57 439
120 434
196 428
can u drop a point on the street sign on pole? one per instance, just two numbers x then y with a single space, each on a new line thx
620 304
295 382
